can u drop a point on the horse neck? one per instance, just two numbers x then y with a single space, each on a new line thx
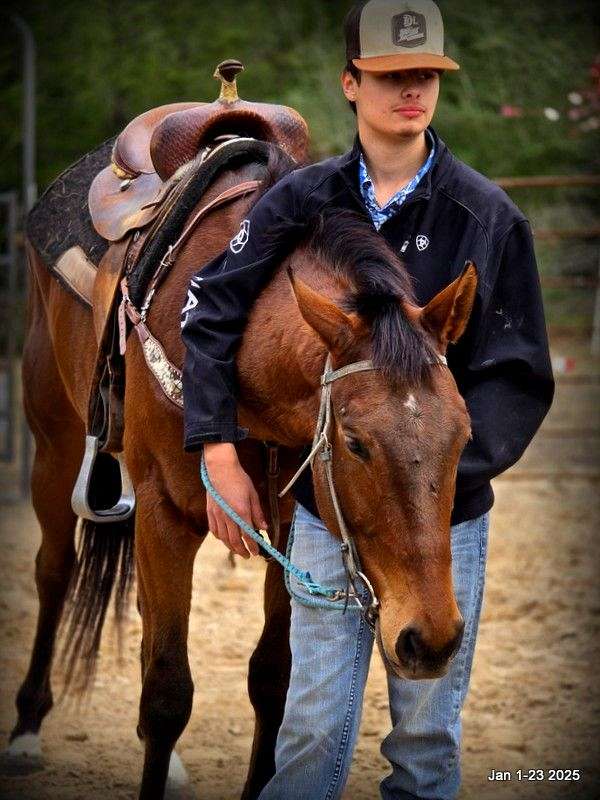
281 361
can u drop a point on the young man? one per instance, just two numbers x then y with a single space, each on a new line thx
437 213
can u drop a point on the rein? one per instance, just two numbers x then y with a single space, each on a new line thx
166 373
322 596
167 261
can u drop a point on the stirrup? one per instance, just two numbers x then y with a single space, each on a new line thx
80 502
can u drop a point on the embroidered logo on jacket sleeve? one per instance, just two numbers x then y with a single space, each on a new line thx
238 242
191 300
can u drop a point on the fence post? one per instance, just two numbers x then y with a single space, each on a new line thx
595 343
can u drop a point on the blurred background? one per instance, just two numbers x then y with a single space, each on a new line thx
524 110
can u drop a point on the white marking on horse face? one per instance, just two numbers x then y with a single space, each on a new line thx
177 772
411 404
28 744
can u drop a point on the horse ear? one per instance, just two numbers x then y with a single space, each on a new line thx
336 328
446 316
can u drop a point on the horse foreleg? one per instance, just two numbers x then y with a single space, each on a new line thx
268 679
165 552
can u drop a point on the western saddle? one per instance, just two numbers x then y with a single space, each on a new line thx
149 152
128 202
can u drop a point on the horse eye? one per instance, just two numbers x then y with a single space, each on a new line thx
357 447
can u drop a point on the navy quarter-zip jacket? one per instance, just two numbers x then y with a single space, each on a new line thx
501 364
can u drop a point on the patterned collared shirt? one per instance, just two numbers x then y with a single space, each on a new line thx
380 215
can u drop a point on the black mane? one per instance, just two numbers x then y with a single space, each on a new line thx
349 244
346 242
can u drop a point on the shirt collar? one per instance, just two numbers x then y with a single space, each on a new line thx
350 160
366 182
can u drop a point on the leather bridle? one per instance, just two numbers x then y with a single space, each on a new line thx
321 442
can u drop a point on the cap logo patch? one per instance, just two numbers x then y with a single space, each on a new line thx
409 29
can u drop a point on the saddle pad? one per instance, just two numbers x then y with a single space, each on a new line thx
60 219
60 223
76 271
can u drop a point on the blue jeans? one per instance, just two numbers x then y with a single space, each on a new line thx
330 662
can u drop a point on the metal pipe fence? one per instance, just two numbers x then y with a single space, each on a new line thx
584 233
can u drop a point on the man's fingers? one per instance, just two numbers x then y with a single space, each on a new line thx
225 529
246 541
250 544
254 520
212 522
218 524
257 512
216 527
235 539
244 544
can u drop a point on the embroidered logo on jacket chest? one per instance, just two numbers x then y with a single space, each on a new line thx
422 242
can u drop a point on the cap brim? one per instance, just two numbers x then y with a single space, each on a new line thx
404 61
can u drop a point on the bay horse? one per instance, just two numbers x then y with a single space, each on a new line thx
397 435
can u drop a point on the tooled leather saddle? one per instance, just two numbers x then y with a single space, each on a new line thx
161 165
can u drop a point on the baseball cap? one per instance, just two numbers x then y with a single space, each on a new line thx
387 35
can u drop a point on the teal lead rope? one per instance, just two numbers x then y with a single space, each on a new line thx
322 595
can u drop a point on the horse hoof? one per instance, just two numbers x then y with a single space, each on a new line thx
23 755
178 782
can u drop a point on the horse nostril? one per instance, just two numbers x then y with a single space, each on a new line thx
409 645
412 650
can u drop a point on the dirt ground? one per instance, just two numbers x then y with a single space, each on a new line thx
535 697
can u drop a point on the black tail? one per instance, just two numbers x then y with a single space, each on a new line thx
105 566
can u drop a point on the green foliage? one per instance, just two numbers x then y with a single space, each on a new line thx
101 63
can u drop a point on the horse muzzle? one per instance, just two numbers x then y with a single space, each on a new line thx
415 658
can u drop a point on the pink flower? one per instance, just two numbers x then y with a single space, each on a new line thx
511 111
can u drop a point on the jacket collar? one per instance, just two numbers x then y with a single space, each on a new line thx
349 168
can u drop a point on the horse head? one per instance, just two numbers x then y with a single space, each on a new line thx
397 434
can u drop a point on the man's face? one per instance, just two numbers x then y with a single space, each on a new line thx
398 103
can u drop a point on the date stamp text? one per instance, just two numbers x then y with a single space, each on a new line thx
533 775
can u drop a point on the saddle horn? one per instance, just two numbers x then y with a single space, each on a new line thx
226 72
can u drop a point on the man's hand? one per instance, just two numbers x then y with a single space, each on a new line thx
236 488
